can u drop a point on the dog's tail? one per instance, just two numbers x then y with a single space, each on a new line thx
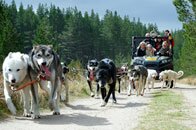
180 74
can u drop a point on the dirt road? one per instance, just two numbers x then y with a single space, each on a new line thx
86 114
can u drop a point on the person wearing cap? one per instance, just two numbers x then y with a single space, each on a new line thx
141 49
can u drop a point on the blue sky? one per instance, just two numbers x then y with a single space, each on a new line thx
161 12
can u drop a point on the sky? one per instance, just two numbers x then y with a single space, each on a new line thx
160 12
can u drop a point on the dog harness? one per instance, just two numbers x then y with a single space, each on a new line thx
91 75
26 84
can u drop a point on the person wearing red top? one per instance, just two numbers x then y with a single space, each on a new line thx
170 40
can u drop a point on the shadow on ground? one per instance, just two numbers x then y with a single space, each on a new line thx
76 118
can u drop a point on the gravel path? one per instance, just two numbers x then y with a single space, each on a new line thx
86 114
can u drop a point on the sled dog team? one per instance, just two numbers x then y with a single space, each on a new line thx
42 67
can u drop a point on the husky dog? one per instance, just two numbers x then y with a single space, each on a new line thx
15 73
169 76
121 73
91 69
152 74
106 74
46 65
137 76
64 68
64 97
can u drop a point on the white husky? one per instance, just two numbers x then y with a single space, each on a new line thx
15 68
169 75
152 74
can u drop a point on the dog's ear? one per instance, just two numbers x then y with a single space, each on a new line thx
34 47
10 55
22 58
131 66
50 46
129 70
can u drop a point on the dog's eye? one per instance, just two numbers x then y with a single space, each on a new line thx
48 55
9 70
18 70
39 55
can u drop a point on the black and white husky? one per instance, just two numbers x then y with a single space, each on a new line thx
137 77
106 74
91 69
46 65
64 97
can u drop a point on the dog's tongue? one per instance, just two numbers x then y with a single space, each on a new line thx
91 75
47 72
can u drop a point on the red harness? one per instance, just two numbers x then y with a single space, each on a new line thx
39 77
91 75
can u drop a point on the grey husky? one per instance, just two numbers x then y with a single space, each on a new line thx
45 65
137 78
91 69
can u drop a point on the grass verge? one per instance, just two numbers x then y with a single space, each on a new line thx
3 111
191 80
166 112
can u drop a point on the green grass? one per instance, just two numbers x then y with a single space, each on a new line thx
166 112
3 110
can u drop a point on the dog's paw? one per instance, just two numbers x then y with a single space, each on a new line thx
27 114
92 94
56 113
129 94
97 97
103 104
114 101
35 116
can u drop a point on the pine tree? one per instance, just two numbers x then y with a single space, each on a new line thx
187 15
44 33
8 34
